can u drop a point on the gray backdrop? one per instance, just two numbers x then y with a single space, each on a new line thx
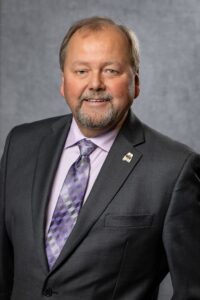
169 34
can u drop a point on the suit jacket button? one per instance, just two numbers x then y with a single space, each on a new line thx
48 292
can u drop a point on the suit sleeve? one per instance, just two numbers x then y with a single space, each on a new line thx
6 253
181 234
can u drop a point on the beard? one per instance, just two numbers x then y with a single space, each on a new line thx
96 119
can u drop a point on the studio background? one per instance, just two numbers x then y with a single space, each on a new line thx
169 35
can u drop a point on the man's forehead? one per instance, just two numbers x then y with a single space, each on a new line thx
85 32
107 43
96 45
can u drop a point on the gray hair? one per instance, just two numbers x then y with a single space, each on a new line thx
99 23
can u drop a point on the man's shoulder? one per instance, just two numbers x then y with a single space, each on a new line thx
31 134
41 126
163 142
165 154
43 123
152 140
156 146
165 150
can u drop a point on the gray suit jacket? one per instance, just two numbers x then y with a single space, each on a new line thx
141 219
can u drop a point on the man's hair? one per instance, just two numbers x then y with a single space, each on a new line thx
99 23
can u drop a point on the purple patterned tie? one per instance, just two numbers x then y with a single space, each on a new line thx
69 202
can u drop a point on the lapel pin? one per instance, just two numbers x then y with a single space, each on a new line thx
128 157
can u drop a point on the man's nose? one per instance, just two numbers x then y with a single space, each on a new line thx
96 82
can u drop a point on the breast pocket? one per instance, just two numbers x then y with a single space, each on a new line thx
128 221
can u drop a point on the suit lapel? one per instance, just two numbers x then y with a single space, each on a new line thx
112 176
48 158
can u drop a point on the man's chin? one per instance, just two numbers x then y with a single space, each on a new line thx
95 121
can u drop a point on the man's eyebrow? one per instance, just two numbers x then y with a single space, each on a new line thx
112 63
80 62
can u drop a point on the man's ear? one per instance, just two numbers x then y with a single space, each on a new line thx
62 85
137 85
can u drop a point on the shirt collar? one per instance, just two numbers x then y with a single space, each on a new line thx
103 141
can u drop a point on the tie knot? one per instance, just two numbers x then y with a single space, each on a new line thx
86 147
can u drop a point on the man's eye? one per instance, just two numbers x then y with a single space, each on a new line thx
112 71
81 72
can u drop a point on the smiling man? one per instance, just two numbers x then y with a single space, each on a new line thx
98 81
96 205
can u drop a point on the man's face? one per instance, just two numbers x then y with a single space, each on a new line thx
98 82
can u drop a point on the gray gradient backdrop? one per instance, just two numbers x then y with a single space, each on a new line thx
169 34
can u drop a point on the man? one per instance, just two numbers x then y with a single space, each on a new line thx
111 223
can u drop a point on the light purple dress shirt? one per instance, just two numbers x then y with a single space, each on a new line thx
69 156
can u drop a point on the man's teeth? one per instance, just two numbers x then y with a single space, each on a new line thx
96 100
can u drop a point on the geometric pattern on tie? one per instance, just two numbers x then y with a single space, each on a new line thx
69 202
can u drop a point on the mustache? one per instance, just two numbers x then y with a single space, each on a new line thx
96 96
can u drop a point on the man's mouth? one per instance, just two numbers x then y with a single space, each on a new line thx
96 98
92 100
